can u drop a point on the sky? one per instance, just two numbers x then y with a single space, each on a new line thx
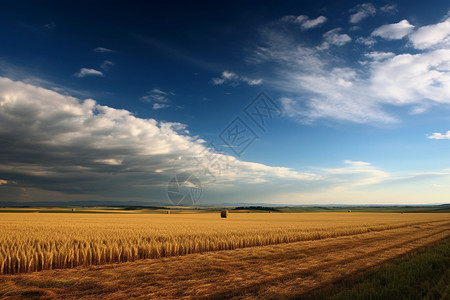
205 103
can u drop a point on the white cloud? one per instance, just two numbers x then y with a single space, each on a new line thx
322 86
234 79
389 9
254 81
357 173
395 31
159 91
103 50
59 147
411 79
218 81
159 106
378 56
88 72
227 75
362 11
106 65
304 21
314 22
59 143
159 98
334 37
435 35
440 136
369 41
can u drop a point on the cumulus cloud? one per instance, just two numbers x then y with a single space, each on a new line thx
234 79
440 136
88 72
395 31
435 35
54 142
334 37
412 78
104 50
304 21
362 11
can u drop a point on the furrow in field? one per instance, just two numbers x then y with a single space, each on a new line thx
300 283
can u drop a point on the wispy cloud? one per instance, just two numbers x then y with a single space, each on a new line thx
362 11
335 37
158 98
234 79
104 50
368 41
357 173
106 65
88 72
389 9
379 56
321 85
304 22
50 25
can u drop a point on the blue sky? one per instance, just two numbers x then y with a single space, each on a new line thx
109 101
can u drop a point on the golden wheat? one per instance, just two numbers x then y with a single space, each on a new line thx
34 242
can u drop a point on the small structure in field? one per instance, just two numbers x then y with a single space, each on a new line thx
73 209
168 212
349 210
224 214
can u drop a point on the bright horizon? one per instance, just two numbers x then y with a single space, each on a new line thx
294 103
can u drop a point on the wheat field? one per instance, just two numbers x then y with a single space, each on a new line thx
35 242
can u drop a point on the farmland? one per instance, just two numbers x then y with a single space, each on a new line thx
259 248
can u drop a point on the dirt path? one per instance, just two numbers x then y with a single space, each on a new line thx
278 271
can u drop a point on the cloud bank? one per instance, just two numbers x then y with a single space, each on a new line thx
54 142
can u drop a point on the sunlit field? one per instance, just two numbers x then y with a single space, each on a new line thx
35 242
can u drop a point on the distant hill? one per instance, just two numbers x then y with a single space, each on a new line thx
137 205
